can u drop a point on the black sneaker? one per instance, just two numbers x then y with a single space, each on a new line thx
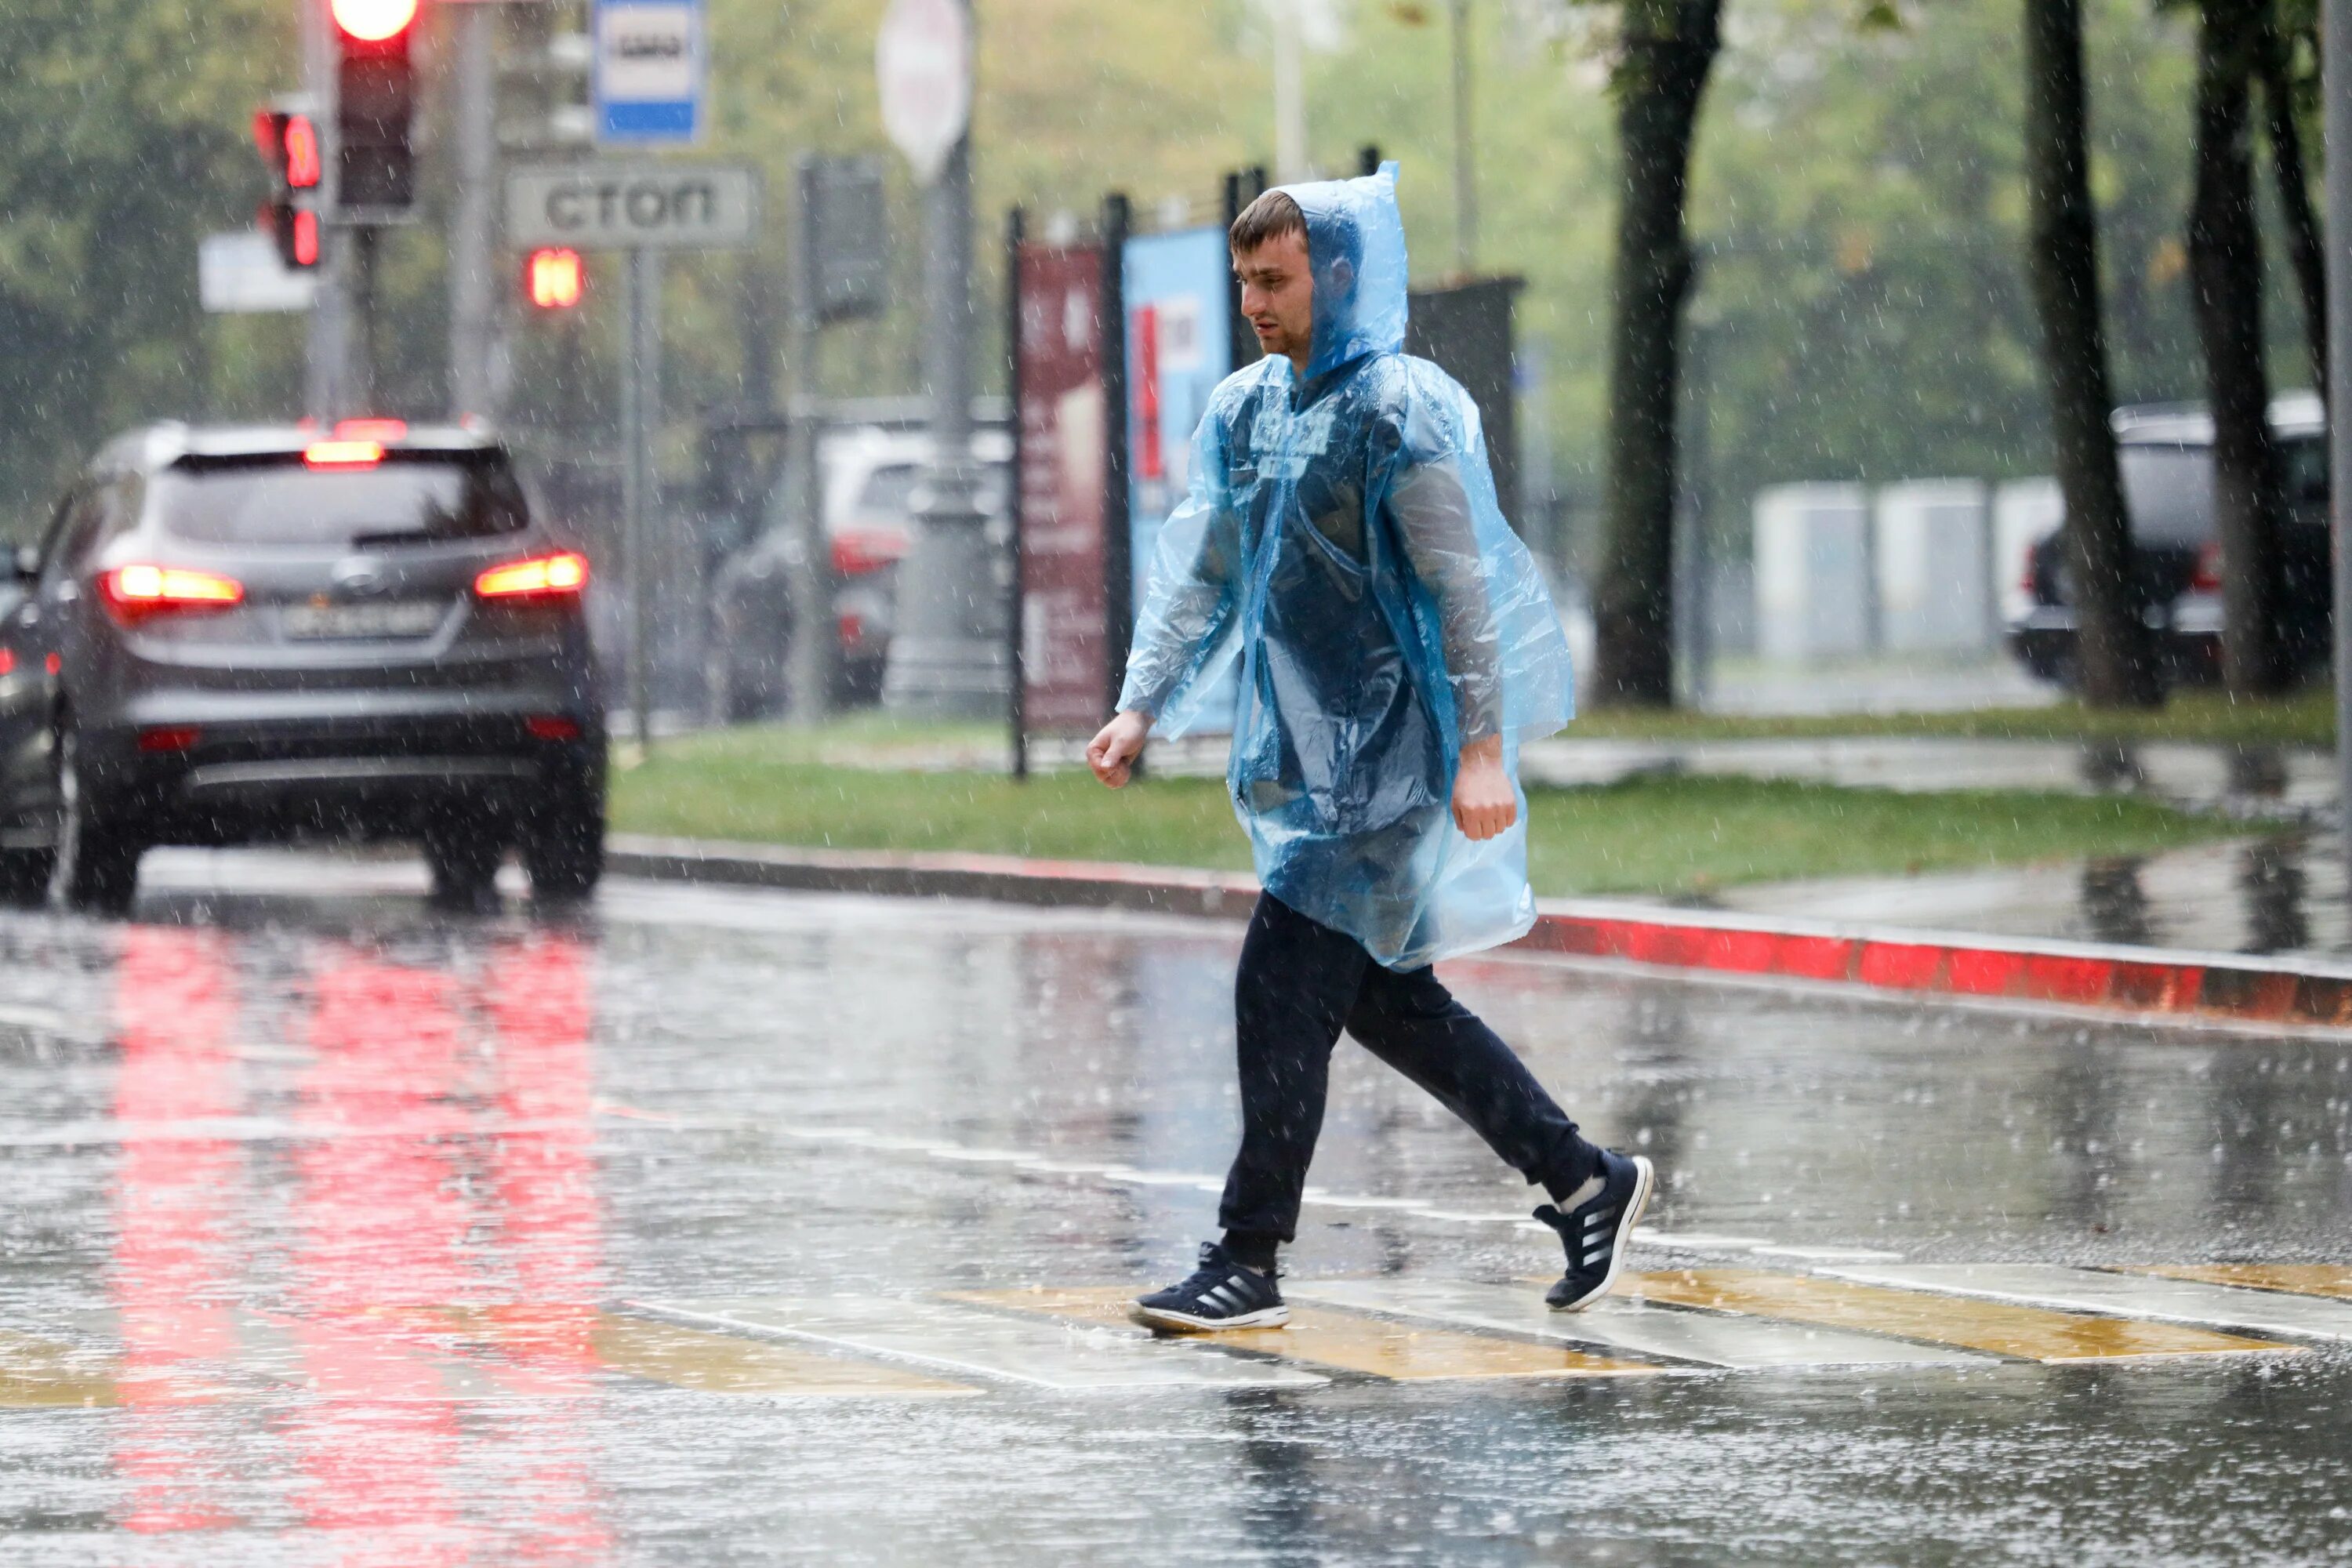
1597 1230
1221 1294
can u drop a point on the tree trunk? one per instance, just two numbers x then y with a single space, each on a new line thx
2112 646
1669 47
2306 252
2225 279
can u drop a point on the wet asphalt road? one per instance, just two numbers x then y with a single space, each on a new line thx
324 1216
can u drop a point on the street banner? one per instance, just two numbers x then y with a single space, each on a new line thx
1064 446
1178 292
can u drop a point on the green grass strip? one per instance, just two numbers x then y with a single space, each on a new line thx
1677 836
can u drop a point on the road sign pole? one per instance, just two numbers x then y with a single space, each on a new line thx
640 412
809 669
2335 94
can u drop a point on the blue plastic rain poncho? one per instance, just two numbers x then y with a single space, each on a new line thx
1341 539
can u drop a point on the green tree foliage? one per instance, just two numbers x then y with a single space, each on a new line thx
1869 313
123 138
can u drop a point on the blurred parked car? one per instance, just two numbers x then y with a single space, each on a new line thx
238 633
872 475
2166 453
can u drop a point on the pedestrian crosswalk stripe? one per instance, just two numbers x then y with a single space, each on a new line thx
710 1362
2019 1332
966 1339
542 1350
1338 1341
2294 1279
2169 1299
35 1373
1707 1339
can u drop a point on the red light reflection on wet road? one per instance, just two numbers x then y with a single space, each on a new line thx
442 1241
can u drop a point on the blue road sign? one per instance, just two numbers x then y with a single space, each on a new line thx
651 71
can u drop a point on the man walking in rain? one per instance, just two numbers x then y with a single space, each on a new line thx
1342 544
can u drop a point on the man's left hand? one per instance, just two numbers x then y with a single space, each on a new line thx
1483 802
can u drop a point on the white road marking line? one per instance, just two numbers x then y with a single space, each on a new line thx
1738 1342
2122 1295
1696 1241
1827 1253
967 1339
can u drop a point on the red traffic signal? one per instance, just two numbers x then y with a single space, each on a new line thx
372 21
296 232
554 277
289 145
375 108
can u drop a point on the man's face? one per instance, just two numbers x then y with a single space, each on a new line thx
1278 295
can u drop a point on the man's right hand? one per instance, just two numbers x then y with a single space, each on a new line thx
1116 746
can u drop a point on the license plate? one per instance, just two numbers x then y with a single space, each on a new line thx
398 618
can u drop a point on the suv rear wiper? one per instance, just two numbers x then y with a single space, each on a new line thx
408 536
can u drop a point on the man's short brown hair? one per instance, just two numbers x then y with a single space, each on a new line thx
1266 219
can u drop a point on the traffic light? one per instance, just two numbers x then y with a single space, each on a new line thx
554 277
288 140
375 103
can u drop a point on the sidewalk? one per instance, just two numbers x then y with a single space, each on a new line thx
2282 894
2301 992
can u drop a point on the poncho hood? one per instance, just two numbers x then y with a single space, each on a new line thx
1355 248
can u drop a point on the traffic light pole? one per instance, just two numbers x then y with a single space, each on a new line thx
358 391
2336 96
640 414
473 218
809 667
323 377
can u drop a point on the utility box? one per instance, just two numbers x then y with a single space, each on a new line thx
1933 566
2024 513
1812 571
1466 328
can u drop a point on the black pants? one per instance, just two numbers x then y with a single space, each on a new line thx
1299 984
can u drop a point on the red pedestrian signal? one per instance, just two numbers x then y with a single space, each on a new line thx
288 140
301 153
553 278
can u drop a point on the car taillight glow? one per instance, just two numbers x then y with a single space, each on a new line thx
855 554
170 738
551 727
2207 576
144 589
565 572
7 661
342 454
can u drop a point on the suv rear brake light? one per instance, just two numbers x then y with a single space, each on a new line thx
342 454
2206 578
855 554
565 572
141 589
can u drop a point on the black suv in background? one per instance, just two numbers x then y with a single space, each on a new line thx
234 634
2166 455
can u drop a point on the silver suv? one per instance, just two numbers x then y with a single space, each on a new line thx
234 634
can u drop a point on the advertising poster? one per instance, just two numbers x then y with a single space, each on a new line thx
1064 467
1179 297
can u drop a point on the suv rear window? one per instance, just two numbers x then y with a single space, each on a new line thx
406 499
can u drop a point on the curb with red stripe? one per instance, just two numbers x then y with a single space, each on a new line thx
2220 986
